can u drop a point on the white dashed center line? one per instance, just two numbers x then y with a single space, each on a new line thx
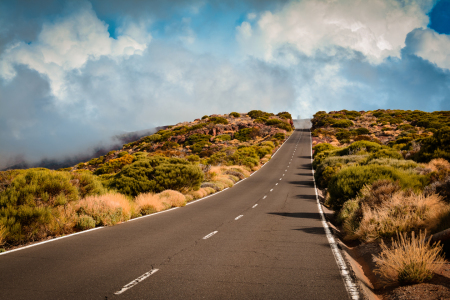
254 205
271 190
136 281
276 183
264 197
209 235
238 217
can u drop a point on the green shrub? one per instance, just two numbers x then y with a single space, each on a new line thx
254 114
349 181
197 137
152 138
114 165
198 147
263 151
385 153
135 179
343 135
246 134
27 203
87 184
395 163
177 177
361 146
250 162
218 120
95 161
268 144
217 158
85 222
330 166
235 114
342 123
322 147
279 136
437 146
273 122
284 115
362 130
223 137
205 117
260 121
285 126
193 158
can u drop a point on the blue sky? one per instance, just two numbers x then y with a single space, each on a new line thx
73 73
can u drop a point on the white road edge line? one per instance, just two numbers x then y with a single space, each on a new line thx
49 241
136 281
189 203
350 285
210 235
254 205
238 217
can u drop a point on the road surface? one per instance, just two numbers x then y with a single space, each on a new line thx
261 239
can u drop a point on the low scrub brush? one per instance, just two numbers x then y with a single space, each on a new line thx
108 209
149 203
408 260
405 211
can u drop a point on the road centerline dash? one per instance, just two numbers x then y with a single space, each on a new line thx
210 235
238 217
136 281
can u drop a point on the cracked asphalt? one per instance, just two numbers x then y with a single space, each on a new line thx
276 250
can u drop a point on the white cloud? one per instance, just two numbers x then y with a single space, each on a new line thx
68 44
244 31
251 16
376 28
432 46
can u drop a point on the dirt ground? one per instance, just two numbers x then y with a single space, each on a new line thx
436 289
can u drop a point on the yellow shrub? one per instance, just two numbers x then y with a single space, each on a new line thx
148 203
409 260
107 209
403 212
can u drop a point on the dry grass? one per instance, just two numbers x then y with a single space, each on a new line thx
107 209
149 203
3 232
438 164
404 212
200 193
408 260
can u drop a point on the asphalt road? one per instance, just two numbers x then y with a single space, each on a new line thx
261 239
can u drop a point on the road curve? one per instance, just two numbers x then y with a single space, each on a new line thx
261 239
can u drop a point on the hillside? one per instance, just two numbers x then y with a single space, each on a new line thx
386 176
169 168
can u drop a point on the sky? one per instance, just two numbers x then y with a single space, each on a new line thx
74 73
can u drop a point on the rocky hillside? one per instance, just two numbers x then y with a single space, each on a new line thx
416 134
211 140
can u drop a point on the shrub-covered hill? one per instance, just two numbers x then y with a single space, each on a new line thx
169 168
386 174
418 135
234 139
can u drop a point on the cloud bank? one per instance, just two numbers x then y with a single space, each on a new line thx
84 72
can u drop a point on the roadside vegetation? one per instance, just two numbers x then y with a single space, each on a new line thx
386 175
175 165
